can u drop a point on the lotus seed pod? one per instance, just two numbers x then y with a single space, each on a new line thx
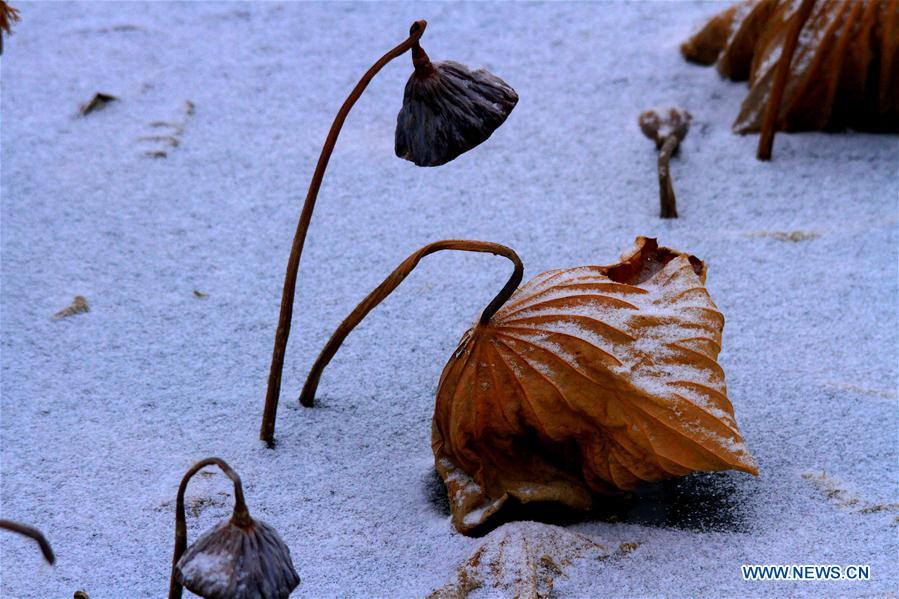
238 562
241 558
448 109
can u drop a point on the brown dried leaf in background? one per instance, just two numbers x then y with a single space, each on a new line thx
8 16
588 380
98 102
844 72
78 306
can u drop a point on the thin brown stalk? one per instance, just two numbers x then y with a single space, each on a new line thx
241 516
267 431
31 533
667 132
771 118
307 397
667 201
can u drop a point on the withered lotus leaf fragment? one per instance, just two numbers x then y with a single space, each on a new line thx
521 559
448 109
241 558
583 382
843 70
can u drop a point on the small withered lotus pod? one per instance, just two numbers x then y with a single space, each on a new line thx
584 381
241 558
237 561
448 109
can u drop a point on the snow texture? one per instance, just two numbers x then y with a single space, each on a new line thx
141 204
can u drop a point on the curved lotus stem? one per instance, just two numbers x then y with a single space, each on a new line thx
31 533
241 516
267 431
307 397
420 60
772 110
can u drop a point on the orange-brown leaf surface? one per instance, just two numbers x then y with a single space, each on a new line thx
844 72
587 380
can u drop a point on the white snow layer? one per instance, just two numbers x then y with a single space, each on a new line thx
102 412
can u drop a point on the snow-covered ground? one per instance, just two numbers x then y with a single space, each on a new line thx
103 412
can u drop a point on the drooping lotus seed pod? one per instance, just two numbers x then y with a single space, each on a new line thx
234 561
241 558
448 109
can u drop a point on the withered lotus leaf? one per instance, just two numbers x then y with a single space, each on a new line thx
585 381
449 109
844 71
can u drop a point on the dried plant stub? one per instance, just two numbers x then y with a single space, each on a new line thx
78 306
98 102
667 132
587 381
448 109
8 16
241 558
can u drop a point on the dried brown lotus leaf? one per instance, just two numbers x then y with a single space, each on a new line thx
584 380
587 380
844 71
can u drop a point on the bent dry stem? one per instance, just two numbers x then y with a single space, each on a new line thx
307 397
31 533
273 392
241 516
